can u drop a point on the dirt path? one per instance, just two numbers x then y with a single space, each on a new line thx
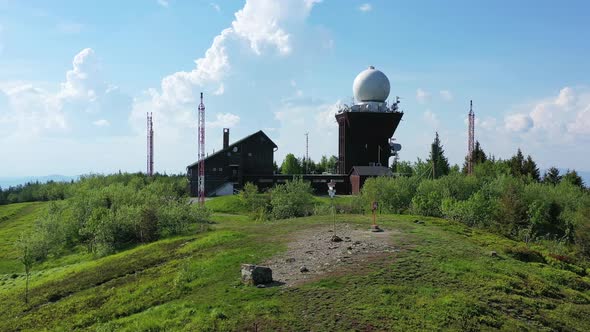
313 250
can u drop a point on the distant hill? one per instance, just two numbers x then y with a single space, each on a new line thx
6 182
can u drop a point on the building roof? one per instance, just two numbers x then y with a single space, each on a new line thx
236 143
371 171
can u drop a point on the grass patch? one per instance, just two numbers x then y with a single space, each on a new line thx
443 278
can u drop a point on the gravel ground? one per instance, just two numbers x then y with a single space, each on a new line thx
313 250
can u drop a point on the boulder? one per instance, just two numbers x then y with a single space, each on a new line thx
336 238
256 275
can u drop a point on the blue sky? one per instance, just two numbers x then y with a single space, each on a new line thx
76 78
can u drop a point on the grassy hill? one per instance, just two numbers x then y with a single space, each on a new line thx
443 277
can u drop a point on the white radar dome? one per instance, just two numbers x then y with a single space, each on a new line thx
371 85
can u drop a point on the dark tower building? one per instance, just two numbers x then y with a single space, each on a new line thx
365 129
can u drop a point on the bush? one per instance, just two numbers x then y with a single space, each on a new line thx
478 210
292 199
582 231
252 200
393 194
526 254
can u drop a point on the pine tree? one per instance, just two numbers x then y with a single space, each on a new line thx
479 157
552 176
437 160
516 164
529 168
573 178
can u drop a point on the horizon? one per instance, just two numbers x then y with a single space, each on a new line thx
79 105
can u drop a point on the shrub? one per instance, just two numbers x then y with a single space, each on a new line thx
393 194
292 199
478 210
526 254
252 200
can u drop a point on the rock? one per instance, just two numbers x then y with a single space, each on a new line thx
375 228
356 243
419 222
493 254
336 238
349 248
256 275
303 269
290 260
261 286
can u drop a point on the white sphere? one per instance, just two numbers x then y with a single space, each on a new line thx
371 85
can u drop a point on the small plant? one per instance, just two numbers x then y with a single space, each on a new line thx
292 199
526 254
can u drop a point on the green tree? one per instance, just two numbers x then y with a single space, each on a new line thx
529 168
573 178
291 165
292 199
403 168
437 160
30 251
479 157
552 176
516 163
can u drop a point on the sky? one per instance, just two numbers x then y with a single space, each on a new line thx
77 78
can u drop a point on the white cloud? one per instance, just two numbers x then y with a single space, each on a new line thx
34 110
431 119
163 3
446 95
260 23
518 123
365 7
82 81
224 120
581 125
101 123
215 6
422 96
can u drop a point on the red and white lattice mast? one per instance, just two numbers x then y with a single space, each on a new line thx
471 140
150 145
201 152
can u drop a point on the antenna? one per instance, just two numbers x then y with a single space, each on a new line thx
201 152
150 145
471 139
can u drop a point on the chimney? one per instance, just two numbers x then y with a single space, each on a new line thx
225 137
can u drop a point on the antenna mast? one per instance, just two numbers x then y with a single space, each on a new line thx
471 139
150 145
201 152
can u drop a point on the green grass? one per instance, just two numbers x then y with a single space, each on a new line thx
442 279
14 220
226 204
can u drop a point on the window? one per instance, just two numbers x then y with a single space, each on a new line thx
220 169
249 154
